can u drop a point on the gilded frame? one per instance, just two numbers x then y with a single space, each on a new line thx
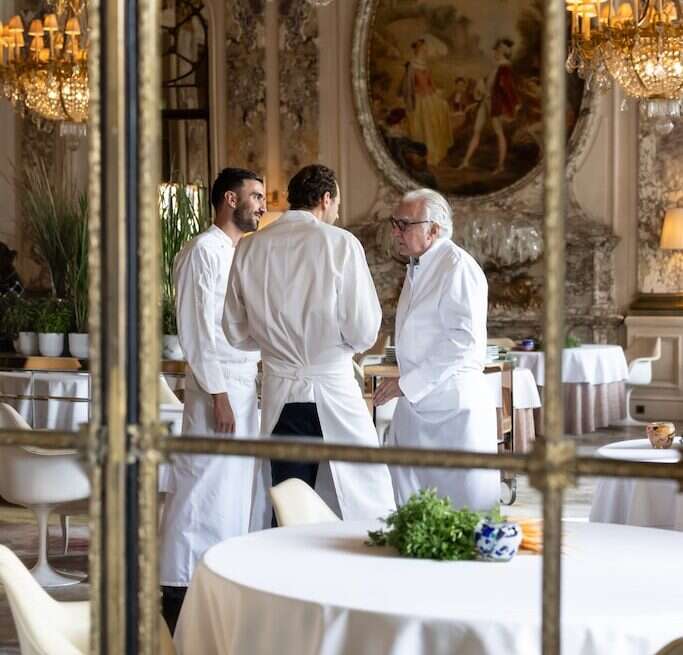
582 134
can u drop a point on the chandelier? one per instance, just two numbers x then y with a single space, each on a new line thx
637 44
44 70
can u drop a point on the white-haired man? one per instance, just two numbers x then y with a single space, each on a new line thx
443 398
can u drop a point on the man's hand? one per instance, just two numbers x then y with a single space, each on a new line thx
223 418
386 391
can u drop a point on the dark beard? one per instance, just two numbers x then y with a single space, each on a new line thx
243 219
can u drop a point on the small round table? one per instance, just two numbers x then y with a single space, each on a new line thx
319 590
633 501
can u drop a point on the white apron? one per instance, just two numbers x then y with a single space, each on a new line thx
360 491
457 429
210 496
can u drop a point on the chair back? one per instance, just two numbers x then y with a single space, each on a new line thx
36 476
44 625
166 395
10 419
649 348
295 503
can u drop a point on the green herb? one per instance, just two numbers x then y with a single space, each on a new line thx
17 315
53 317
572 342
429 527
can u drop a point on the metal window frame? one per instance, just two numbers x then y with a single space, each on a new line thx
111 446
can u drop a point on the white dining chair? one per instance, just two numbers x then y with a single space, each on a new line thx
295 503
46 626
40 479
640 354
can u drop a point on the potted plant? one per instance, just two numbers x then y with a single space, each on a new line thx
183 211
17 322
54 212
77 282
171 345
52 321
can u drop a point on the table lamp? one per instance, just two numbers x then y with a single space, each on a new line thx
671 239
672 230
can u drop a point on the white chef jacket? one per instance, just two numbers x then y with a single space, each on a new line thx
301 291
210 496
441 352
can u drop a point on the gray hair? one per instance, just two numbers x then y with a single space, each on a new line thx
437 209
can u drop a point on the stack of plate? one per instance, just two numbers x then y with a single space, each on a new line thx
492 353
390 355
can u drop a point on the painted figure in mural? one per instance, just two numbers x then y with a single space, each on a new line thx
499 101
411 155
428 114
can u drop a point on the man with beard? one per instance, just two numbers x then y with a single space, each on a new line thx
210 497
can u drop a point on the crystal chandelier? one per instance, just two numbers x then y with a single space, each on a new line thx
44 69
639 45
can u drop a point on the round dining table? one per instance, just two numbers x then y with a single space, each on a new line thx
637 501
320 590
593 381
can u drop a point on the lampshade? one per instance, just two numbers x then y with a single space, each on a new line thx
672 230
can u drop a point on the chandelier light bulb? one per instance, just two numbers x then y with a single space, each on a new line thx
636 44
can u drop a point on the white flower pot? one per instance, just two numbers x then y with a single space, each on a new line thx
50 344
28 343
171 348
78 345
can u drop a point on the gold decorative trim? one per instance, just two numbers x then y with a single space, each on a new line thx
146 444
658 303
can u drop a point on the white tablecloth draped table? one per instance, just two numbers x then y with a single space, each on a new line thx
52 414
525 399
594 385
632 501
318 590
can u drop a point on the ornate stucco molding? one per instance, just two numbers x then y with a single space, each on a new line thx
299 96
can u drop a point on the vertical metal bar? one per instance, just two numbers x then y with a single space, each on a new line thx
554 200
149 13
133 299
95 522
112 343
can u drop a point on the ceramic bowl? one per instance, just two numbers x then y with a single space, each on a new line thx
661 434
497 541
527 344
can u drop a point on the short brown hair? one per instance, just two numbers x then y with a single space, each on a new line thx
309 185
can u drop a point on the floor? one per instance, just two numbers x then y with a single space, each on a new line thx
18 530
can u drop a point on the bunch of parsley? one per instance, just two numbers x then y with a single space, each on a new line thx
429 527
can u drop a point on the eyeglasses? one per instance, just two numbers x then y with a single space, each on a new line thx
402 225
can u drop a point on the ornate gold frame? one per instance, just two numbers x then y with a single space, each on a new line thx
109 445
581 137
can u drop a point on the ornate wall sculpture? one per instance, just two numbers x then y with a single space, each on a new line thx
299 70
245 100
502 228
659 187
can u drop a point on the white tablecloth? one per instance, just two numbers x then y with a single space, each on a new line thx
318 590
524 391
53 414
632 501
595 364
